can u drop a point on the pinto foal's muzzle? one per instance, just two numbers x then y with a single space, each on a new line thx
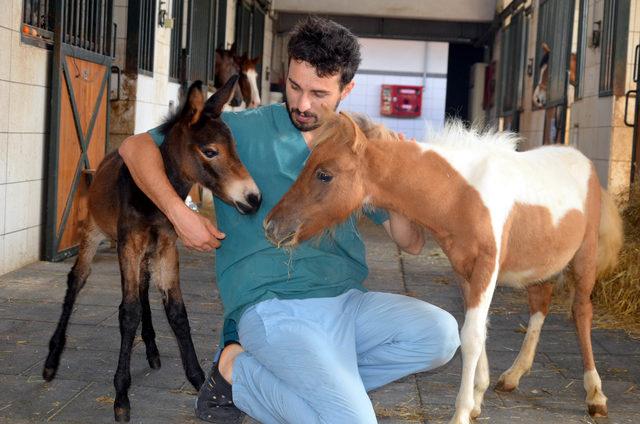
281 232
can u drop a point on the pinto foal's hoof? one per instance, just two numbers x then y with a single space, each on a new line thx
475 413
48 373
154 362
598 410
501 386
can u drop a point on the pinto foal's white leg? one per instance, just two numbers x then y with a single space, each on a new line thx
510 379
473 336
482 380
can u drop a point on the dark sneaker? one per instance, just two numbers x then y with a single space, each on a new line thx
215 402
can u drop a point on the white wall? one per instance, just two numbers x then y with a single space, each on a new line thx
414 63
597 123
153 94
24 112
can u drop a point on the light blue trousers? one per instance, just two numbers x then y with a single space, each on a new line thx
313 360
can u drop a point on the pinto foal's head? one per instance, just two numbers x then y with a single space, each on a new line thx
204 151
328 190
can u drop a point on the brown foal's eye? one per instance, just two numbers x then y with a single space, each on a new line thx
210 153
323 176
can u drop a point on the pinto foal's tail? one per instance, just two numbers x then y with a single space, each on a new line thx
610 235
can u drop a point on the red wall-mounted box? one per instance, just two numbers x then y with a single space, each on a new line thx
404 101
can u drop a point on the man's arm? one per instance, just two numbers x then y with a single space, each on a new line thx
143 158
408 236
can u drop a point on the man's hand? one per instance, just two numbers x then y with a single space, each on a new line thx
408 236
195 230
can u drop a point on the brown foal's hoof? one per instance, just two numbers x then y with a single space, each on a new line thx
502 387
48 374
598 410
122 415
154 362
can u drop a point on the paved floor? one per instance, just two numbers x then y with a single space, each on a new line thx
83 392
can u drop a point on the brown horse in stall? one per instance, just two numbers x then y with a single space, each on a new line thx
248 81
499 215
227 65
198 148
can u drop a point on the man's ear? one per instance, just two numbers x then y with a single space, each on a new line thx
347 89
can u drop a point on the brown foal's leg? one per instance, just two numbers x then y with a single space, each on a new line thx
77 277
165 275
148 334
539 301
131 249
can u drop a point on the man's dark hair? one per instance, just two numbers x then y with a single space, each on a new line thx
327 46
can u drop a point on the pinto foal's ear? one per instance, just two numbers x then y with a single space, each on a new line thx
357 139
214 105
194 105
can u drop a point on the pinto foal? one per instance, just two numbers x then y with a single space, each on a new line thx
198 148
499 215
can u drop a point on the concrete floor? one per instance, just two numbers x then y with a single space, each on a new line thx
30 303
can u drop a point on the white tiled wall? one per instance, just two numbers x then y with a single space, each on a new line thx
418 56
597 126
24 112
365 98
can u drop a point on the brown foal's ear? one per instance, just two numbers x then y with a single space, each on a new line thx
213 106
194 105
357 139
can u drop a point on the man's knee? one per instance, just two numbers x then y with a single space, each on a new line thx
439 338
447 332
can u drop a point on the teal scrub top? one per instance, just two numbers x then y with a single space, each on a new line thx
249 269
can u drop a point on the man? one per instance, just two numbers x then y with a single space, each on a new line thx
303 341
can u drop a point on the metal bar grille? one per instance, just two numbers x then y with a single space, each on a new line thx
257 39
607 48
512 64
243 28
582 46
85 23
175 59
200 49
147 31
221 24
555 23
213 33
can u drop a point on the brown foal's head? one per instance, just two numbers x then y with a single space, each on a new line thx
207 152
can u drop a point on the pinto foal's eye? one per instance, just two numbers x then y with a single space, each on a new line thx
210 153
323 176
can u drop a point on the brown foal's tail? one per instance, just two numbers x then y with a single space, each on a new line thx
91 238
610 235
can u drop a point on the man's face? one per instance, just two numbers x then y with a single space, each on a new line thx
307 93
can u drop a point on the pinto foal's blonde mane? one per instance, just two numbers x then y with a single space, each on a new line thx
340 126
455 134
